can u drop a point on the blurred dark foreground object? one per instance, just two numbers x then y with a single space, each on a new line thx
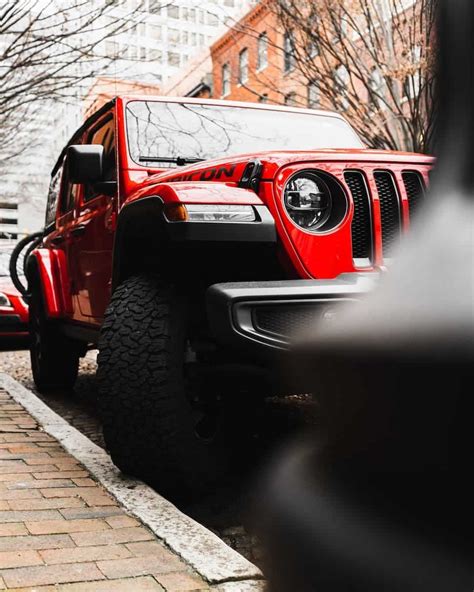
382 499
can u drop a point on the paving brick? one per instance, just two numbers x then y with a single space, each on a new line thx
15 477
140 566
12 529
55 474
10 559
84 554
65 526
122 521
99 500
22 515
111 536
38 458
142 549
4 505
90 512
32 483
19 494
180 582
66 466
46 504
64 459
141 584
84 482
51 574
52 541
36 438
20 447
20 467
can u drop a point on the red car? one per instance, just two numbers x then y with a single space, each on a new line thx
13 309
189 239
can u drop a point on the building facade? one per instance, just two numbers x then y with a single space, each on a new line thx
255 60
250 64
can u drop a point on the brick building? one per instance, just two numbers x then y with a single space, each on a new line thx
249 62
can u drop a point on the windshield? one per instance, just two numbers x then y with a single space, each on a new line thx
186 131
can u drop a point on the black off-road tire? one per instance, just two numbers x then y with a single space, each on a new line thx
54 357
147 417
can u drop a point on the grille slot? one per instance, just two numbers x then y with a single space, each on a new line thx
361 222
389 210
286 321
415 188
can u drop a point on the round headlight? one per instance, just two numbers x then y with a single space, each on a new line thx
308 201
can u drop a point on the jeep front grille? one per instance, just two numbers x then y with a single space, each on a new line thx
389 210
361 222
392 190
415 189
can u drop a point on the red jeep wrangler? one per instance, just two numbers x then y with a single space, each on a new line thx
188 239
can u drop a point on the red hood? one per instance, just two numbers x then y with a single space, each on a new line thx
273 160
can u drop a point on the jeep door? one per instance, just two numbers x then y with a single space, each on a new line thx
92 233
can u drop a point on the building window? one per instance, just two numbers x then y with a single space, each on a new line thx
289 53
173 59
173 36
225 80
263 98
313 95
290 99
243 66
377 86
413 82
262 52
173 12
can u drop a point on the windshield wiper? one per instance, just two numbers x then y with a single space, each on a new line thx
178 160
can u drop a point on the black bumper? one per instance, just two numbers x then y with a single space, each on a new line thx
12 323
261 318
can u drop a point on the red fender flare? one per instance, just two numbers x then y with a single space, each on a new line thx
55 283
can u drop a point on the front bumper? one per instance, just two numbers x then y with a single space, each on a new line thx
262 318
12 324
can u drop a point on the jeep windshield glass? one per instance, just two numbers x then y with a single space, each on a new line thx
195 131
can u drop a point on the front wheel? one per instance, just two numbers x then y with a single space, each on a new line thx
54 357
149 422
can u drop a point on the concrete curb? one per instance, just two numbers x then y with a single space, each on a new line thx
210 557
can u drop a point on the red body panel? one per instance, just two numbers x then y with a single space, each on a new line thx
76 276
17 308
54 279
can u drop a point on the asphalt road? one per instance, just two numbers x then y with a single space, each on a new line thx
226 510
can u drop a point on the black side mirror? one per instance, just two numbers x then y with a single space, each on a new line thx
85 162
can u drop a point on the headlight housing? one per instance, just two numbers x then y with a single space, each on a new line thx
210 213
4 300
220 213
314 201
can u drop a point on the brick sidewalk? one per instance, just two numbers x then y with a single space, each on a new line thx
61 531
